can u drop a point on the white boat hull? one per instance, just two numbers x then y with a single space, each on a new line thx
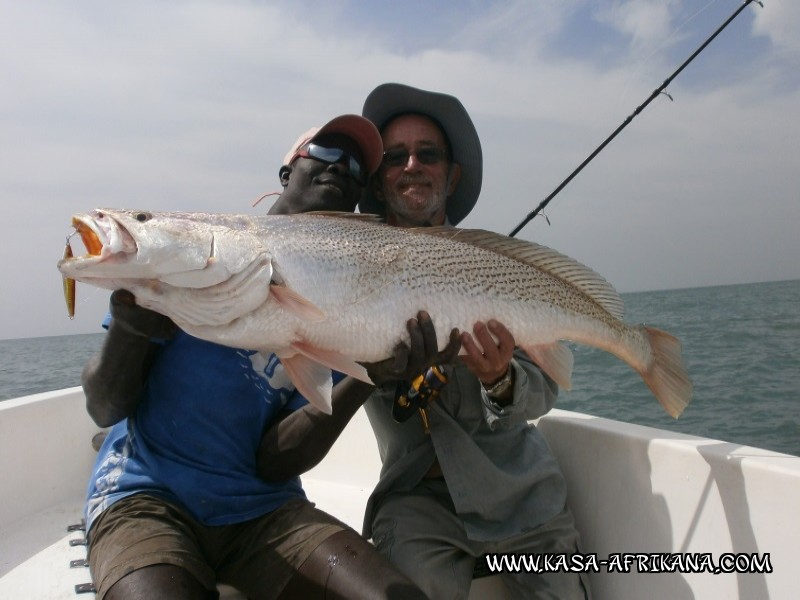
633 490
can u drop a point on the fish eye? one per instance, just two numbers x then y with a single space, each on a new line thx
143 216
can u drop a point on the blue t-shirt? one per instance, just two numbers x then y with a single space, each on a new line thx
193 438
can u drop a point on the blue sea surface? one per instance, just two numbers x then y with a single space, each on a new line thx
43 364
741 344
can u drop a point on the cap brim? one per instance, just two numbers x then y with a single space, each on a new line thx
391 99
363 132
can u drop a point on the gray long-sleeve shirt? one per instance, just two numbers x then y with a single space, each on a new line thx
501 475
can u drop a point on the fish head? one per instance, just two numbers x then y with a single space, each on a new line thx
181 249
201 270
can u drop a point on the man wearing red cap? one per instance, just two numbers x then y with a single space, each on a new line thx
342 154
190 487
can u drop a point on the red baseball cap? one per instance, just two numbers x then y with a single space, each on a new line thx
357 128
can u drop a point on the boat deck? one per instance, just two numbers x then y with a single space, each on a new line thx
37 548
37 551
43 560
633 490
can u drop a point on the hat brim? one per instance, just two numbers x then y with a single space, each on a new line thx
391 99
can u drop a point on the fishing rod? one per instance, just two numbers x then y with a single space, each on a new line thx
659 90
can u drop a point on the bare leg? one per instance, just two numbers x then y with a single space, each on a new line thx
159 581
345 566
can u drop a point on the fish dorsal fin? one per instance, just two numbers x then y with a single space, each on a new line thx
542 258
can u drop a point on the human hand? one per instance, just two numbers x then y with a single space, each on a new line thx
137 320
409 361
492 363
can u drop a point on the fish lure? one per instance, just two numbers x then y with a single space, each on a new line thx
69 284
418 395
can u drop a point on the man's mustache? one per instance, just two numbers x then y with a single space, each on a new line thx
406 180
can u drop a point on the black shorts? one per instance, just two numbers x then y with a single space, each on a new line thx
257 557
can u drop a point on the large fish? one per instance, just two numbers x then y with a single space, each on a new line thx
327 291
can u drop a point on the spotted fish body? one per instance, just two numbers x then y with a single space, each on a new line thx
325 291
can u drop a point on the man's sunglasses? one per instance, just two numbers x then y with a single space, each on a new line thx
333 156
427 156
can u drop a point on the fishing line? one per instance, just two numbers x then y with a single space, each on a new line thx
265 196
668 41
88 298
657 92
671 38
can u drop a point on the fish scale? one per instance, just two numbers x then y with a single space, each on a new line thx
484 285
331 291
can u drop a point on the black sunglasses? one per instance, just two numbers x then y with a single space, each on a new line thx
427 156
333 156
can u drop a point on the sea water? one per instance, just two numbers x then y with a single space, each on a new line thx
741 345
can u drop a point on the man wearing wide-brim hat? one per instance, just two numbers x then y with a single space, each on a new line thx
466 475
459 150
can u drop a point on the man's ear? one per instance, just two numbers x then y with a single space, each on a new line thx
284 173
452 178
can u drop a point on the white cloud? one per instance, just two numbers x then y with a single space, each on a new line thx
779 20
191 105
647 22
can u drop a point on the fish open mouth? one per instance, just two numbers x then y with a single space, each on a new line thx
102 236
94 246
91 241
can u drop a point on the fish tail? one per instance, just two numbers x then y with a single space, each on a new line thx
666 375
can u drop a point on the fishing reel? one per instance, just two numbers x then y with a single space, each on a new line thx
416 396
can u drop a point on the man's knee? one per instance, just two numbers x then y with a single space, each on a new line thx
159 581
345 565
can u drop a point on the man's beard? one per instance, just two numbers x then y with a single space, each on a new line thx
425 205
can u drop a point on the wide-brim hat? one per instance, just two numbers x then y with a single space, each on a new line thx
392 99
362 131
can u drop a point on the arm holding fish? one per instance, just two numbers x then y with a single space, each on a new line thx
302 438
113 378
512 384
491 361
422 352
531 395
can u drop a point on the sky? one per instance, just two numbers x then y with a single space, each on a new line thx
191 105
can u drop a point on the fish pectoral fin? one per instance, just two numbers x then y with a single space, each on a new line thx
311 379
334 360
296 304
554 359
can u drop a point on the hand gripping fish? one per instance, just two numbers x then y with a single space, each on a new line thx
325 291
